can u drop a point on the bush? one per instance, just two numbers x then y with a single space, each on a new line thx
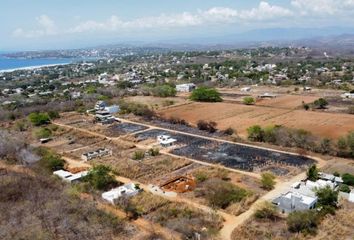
320 103
229 131
221 194
248 100
38 119
327 197
267 181
137 109
204 94
207 126
164 91
351 110
154 152
138 155
201 176
303 221
50 160
100 178
43 133
312 173
266 210
344 188
348 179
255 133
53 114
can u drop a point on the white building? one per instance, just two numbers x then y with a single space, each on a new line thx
246 89
292 201
351 196
188 87
128 190
70 177
347 95
166 141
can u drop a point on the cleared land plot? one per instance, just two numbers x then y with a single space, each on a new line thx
177 217
119 129
69 140
240 117
287 101
86 122
156 102
227 154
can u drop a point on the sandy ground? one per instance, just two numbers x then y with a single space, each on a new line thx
240 117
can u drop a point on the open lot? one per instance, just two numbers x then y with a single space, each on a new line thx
240 117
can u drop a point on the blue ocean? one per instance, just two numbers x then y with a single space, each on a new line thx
6 63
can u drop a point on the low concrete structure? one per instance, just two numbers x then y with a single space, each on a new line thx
188 87
166 141
348 95
101 152
351 196
246 89
70 177
127 190
267 95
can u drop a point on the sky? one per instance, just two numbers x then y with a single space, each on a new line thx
56 24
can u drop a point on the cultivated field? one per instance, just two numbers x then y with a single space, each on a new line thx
240 117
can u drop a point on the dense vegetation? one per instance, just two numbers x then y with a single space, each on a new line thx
204 94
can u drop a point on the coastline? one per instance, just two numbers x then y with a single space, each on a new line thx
33 67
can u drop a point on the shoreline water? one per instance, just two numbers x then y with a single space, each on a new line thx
33 67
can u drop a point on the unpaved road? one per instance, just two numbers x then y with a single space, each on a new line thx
231 222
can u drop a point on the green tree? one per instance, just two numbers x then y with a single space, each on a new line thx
327 199
344 188
312 173
204 94
100 177
267 181
38 119
348 179
321 103
43 133
255 133
248 100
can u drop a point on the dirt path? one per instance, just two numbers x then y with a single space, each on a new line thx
231 222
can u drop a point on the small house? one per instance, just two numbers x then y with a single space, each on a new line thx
292 201
127 190
70 177
188 87
166 141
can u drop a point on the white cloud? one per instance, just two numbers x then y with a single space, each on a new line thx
324 7
46 27
265 11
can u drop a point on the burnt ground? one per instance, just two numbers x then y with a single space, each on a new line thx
228 154
119 129
184 128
